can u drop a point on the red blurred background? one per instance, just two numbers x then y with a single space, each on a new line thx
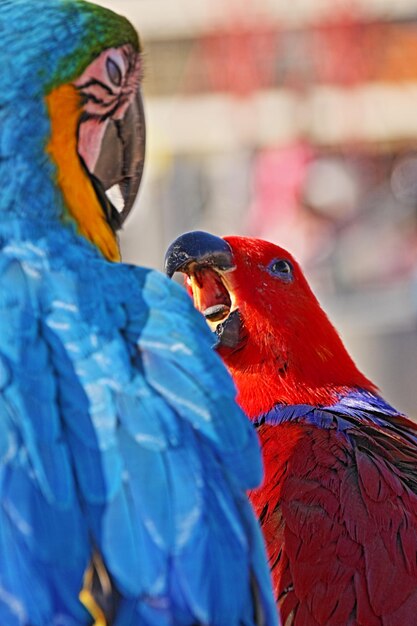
295 122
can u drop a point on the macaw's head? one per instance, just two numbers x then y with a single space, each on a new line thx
72 133
272 333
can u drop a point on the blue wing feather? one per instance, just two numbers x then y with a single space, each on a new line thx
39 577
121 435
156 433
187 350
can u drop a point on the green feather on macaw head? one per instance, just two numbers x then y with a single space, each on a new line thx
51 42
45 45
101 29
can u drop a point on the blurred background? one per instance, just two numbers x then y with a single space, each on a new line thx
295 122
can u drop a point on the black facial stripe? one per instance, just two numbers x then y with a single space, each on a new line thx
113 103
89 97
120 102
95 81
110 113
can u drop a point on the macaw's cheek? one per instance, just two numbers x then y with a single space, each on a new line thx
90 139
113 151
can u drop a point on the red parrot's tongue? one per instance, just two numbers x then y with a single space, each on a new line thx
210 295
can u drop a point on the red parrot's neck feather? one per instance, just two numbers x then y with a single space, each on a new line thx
259 391
313 368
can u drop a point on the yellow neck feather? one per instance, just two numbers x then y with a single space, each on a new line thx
80 198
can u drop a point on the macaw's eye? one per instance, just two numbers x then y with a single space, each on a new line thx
281 269
114 72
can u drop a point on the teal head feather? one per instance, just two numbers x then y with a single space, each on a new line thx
43 44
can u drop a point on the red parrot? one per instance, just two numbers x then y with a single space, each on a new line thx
338 505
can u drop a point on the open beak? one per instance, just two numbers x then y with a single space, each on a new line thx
208 263
116 171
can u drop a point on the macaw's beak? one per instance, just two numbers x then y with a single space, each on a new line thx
116 167
208 263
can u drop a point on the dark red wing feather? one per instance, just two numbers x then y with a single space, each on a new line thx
340 522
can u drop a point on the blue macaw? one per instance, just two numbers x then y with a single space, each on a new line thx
124 460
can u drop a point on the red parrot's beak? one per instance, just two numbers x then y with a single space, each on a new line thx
208 263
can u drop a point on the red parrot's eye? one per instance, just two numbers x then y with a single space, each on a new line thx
281 268
114 72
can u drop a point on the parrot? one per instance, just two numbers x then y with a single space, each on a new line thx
125 461
338 504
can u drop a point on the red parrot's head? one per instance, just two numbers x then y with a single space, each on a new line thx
272 333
